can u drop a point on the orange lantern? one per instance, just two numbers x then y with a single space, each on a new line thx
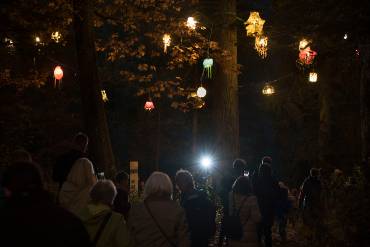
58 75
149 105
306 56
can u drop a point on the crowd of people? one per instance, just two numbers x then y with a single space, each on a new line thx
97 212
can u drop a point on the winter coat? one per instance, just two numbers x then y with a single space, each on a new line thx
115 233
169 215
75 192
249 217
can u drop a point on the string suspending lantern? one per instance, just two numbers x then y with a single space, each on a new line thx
261 43
166 41
191 23
56 36
58 75
149 105
201 92
268 90
254 24
207 65
312 77
104 95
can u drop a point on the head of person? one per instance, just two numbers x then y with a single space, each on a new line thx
23 178
122 180
81 141
239 166
184 181
314 172
158 185
266 160
82 174
242 186
265 170
21 155
103 192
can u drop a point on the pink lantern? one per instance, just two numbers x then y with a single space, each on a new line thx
58 75
306 56
149 105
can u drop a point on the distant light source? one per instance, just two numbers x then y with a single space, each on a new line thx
312 77
206 162
303 44
191 23
345 36
268 90
58 75
166 41
56 36
201 92
37 39
149 105
104 96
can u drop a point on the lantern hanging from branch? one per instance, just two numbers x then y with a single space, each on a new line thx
261 43
149 105
303 44
166 41
201 92
58 75
104 96
56 36
268 90
254 24
37 40
307 56
312 77
191 23
207 65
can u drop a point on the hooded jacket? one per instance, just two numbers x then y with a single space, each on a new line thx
115 231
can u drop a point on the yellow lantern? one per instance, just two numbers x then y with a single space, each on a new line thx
312 77
268 90
104 96
166 41
191 23
37 40
254 24
56 36
261 45
303 44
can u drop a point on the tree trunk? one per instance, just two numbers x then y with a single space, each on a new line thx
225 92
93 111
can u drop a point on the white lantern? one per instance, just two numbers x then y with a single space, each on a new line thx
268 90
312 77
191 23
201 92
166 41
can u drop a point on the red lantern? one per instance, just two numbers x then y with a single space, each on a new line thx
149 105
306 56
58 75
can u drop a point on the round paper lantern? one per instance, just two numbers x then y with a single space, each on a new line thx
149 105
268 90
201 92
58 73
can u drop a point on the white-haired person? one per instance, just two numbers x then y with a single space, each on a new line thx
158 221
105 227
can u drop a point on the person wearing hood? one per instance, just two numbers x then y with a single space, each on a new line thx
105 227
74 194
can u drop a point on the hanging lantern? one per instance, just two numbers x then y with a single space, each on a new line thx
149 105
306 56
261 45
166 41
56 36
201 92
207 65
37 40
268 90
303 44
58 75
254 24
312 77
191 23
104 96
9 43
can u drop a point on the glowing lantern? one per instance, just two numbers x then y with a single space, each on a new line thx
207 65
345 36
201 92
306 56
58 75
104 96
268 90
191 23
37 40
9 43
261 45
312 77
56 36
254 24
166 41
149 105
303 44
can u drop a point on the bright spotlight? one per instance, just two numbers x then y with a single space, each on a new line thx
206 162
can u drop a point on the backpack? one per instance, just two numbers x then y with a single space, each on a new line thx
233 227
200 214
